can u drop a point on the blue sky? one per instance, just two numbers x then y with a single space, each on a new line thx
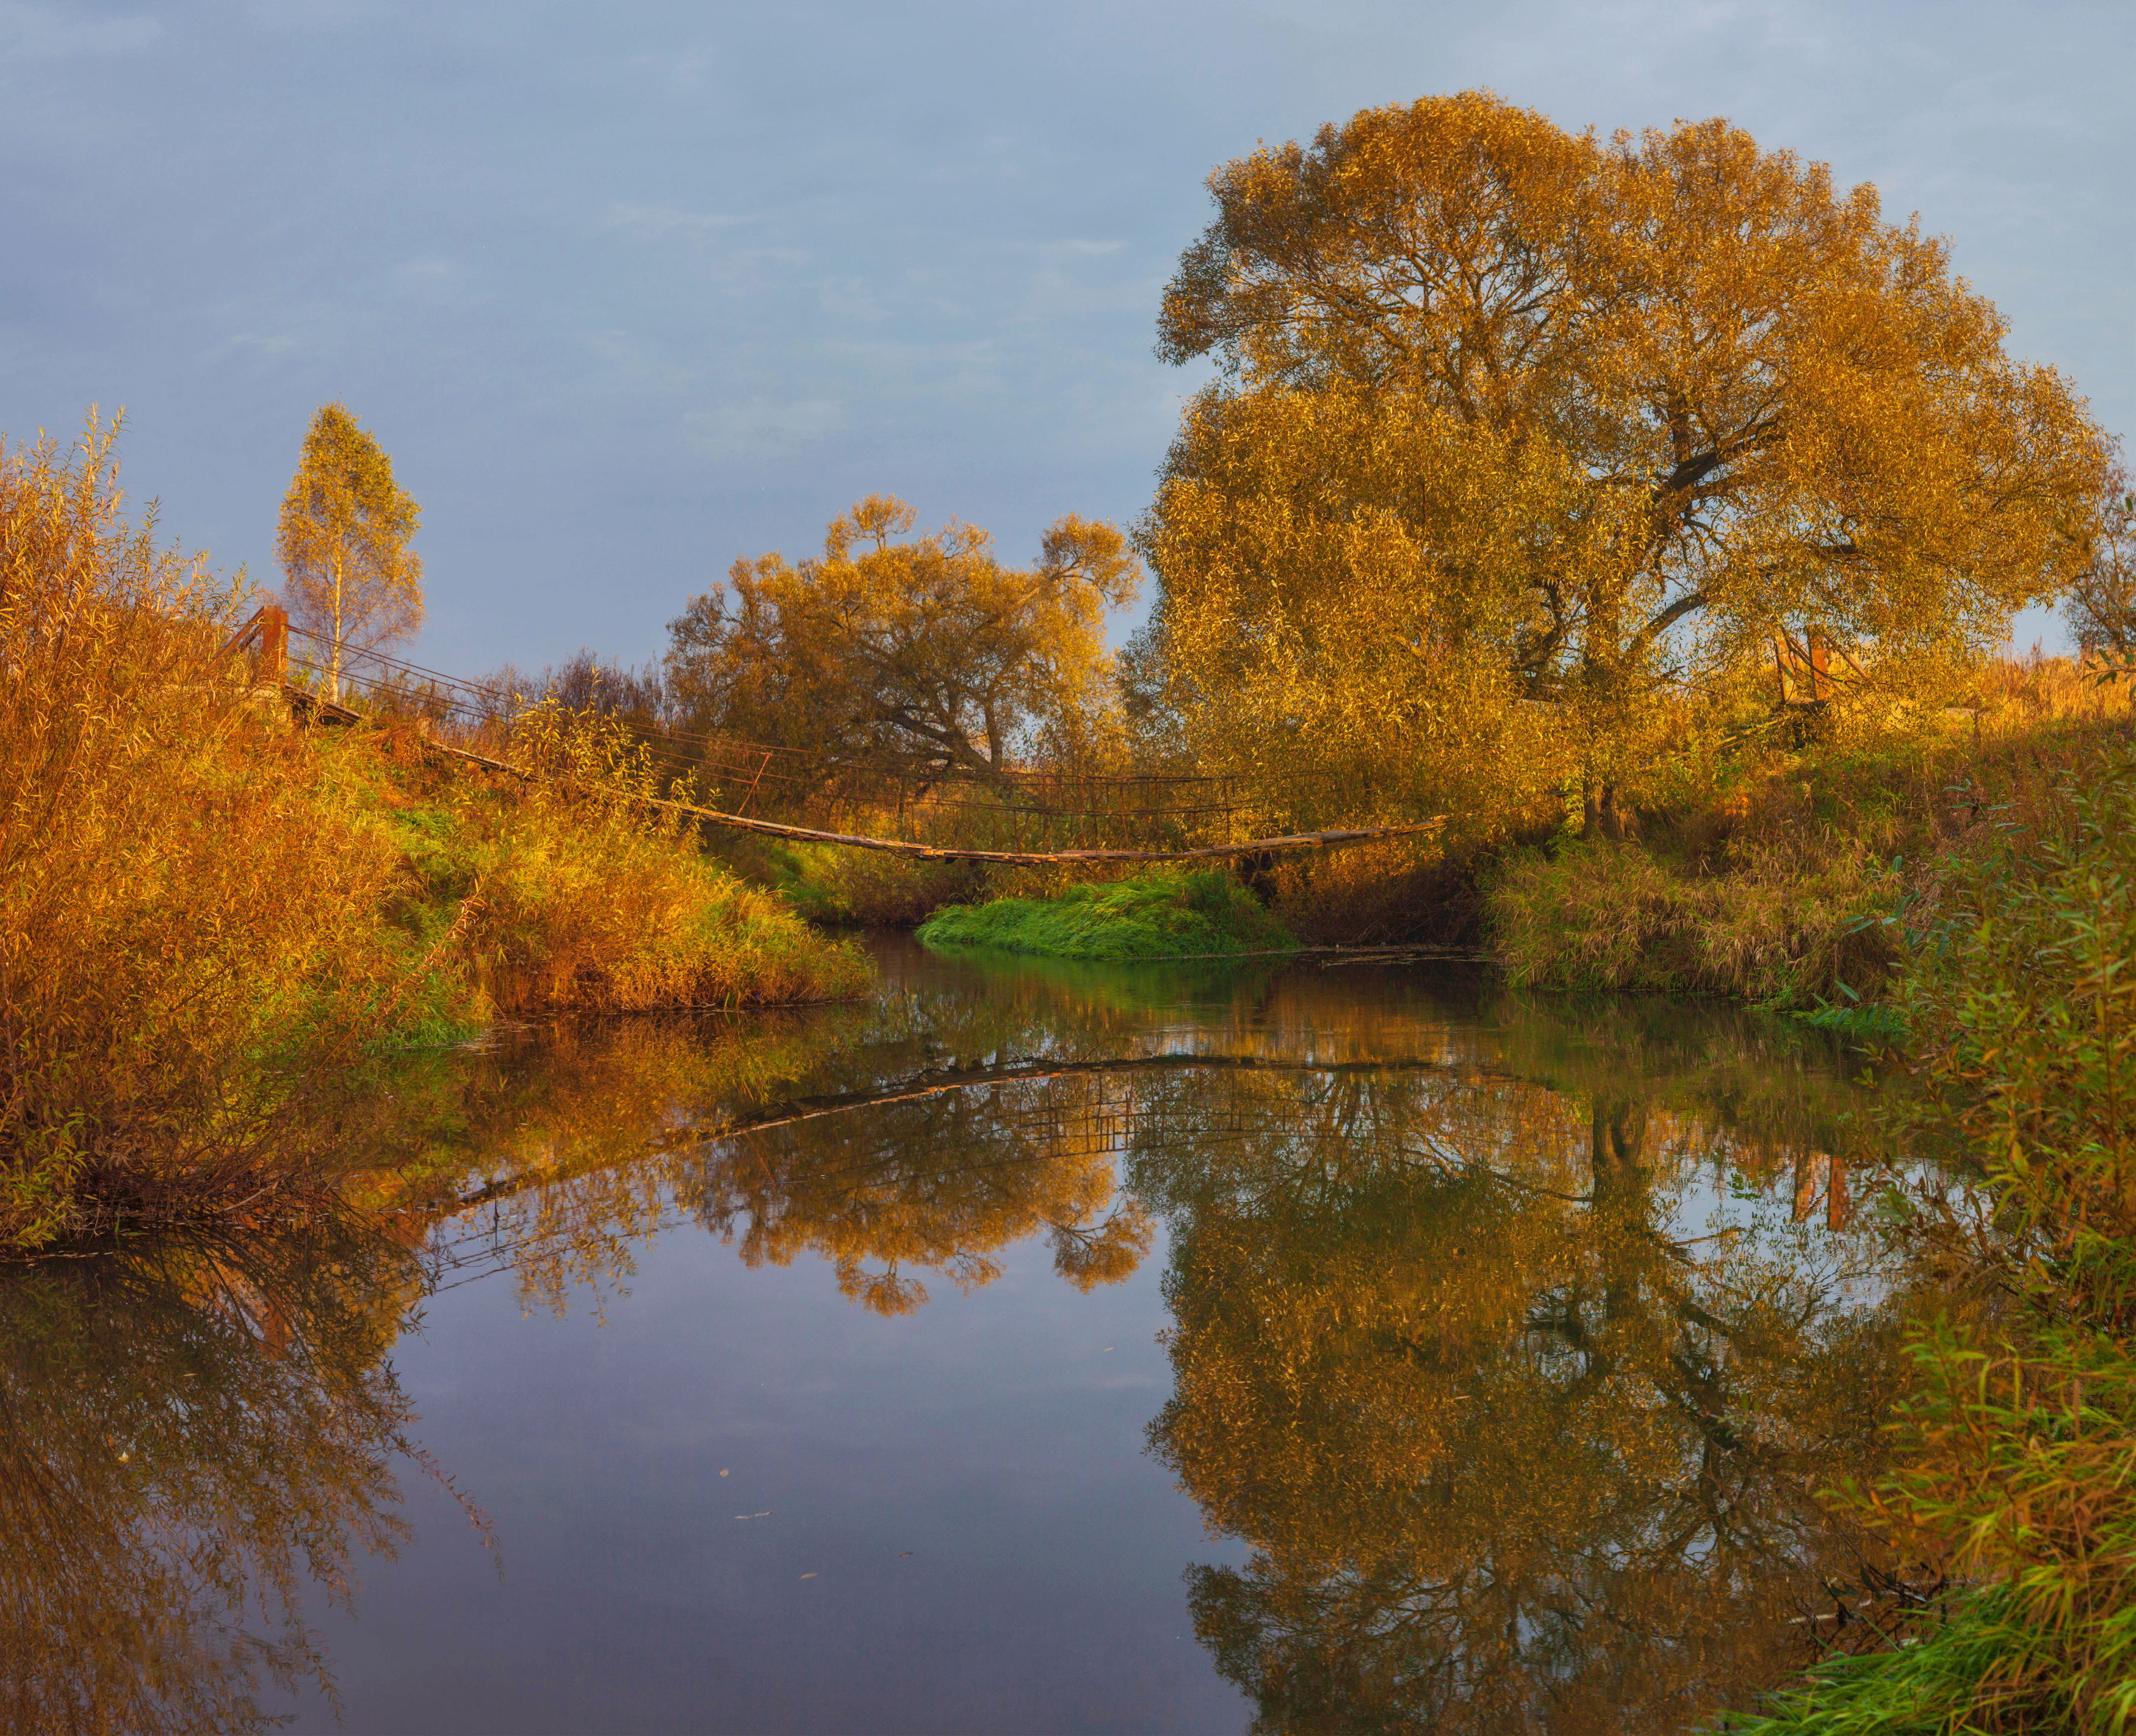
629 290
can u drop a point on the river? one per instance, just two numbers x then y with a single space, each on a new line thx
1038 1348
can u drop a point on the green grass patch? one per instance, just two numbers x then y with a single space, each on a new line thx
1164 914
1965 1661
1869 1022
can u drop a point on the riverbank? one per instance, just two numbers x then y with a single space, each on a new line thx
1164 913
2016 1468
1792 880
1784 871
209 914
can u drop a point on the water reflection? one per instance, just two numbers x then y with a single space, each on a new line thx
190 1444
1511 1338
1519 1417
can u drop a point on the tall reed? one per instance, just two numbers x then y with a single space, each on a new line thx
2020 1445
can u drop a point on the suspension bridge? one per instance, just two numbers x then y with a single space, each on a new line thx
1081 817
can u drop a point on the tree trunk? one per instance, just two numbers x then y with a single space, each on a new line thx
1618 1162
1602 820
333 655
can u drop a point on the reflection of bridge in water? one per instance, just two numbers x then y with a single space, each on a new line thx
963 1159
1455 1349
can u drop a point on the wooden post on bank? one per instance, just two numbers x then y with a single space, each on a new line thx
274 643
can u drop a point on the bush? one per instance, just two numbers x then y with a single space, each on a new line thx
205 916
840 886
586 895
1786 928
183 940
1162 914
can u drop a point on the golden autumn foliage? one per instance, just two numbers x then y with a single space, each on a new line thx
349 574
190 924
925 655
1521 434
207 917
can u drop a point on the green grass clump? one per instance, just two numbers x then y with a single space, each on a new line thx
1861 1022
1164 914
1955 1677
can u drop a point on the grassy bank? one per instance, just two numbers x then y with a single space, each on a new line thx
2018 1447
1791 876
1161 914
840 888
208 916
571 891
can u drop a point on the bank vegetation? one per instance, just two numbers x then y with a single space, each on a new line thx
209 916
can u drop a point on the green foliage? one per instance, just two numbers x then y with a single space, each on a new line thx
866 888
1863 1024
1917 1690
1162 914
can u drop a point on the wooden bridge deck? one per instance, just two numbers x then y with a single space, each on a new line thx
302 699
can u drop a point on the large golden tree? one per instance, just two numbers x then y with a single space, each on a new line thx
1515 430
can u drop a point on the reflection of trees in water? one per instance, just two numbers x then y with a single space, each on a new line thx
1508 1457
561 1156
1508 1452
1505 1452
924 1133
943 1181
186 1440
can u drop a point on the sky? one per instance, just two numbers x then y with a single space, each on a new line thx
629 290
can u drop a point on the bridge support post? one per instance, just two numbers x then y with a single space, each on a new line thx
274 643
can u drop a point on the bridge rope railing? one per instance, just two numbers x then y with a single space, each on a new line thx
1321 840
1080 816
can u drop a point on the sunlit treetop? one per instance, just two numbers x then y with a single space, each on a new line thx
1596 414
349 574
921 652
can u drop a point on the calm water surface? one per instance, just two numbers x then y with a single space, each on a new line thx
1041 1348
